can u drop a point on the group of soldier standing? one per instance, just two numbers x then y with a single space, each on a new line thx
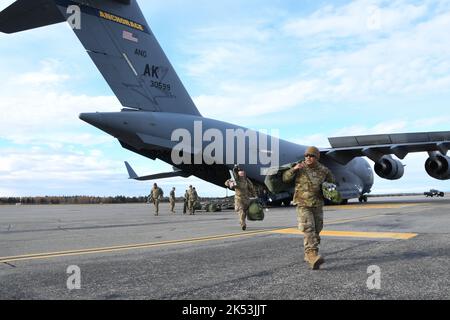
308 176
190 199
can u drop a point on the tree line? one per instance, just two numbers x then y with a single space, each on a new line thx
80 200
71 200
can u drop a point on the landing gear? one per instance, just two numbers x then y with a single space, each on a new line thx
362 199
276 203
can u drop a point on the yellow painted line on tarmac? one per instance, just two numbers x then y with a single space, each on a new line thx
354 234
338 221
50 255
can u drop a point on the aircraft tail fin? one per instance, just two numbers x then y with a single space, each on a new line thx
29 14
118 39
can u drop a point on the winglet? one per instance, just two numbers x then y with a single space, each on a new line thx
131 173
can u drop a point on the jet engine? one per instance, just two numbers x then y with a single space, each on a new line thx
389 168
438 166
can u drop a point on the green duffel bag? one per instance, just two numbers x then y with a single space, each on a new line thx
255 211
331 192
213 207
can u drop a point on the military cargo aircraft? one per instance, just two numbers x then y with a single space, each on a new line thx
159 120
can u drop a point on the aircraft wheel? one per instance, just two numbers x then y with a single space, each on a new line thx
362 199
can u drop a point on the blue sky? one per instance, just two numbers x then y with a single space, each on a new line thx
309 69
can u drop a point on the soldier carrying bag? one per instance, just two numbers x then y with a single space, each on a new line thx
330 192
255 211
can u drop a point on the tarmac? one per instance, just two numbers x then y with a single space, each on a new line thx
389 248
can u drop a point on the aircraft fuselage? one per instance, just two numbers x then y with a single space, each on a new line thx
208 148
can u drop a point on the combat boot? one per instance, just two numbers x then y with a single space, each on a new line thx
314 259
321 259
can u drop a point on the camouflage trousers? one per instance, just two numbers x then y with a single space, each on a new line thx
172 205
241 208
156 204
191 207
310 222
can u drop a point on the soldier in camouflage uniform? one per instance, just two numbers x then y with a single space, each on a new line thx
244 190
309 176
172 200
194 191
186 202
156 195
192 198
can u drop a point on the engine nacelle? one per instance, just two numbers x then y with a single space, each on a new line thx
438 166
389 168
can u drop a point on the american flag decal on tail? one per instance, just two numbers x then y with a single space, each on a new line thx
129 36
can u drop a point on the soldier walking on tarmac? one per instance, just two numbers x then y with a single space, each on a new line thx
192 199
309 176
172 200
186 202
195 198
156 194
244 190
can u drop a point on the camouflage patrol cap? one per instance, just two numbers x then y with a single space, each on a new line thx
314 151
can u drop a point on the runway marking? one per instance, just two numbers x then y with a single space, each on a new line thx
338 221
354 234
49 255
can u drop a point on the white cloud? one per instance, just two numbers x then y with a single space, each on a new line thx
221 52
42 164
37 108
257 100
358 18
47 77
333 58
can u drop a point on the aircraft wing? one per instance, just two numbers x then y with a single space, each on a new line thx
344 149
176 173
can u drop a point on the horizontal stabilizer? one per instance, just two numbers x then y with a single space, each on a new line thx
29 14
176 173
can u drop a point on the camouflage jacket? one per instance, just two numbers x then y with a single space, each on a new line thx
308 184
244 190
156 193
172 195
192 195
